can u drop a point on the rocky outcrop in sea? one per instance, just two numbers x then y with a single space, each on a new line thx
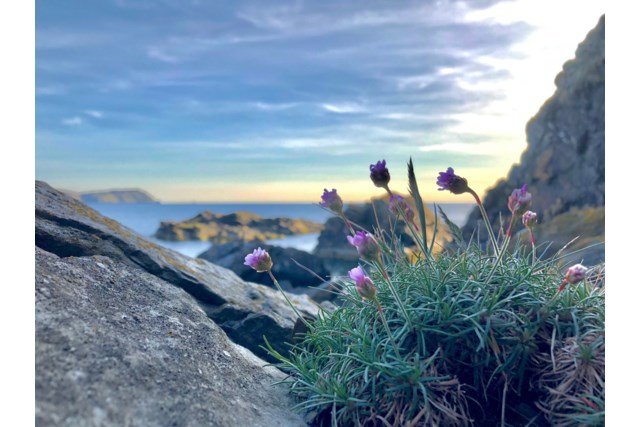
563 163
238 226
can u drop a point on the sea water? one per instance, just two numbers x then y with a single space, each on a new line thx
145 218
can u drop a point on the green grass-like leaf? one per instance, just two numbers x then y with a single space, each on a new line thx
468 338
415 193
456 233
464 338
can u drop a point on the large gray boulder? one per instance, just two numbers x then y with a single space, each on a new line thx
563 163
246 311
117 346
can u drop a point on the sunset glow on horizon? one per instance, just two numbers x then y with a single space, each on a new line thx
274 101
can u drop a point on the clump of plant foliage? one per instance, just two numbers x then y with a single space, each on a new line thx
472 336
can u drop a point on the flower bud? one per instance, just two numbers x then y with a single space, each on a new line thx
519 201
331 201
575 274
364 285
380 174
398 205
366 245
529 219
259 260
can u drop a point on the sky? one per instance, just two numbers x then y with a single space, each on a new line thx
265 101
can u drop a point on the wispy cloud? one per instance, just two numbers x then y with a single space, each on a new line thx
446 73
266 106
471 148
56 38
277 18
72 121
161 55
344 108
94 113
220 90
306 143
200 145
50 90
300 21
116 85
416 82
425 117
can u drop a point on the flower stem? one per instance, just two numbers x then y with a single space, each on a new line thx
533 246
486 220
562 285
386 326
382 271
414 234
415 231
346 221
509 231
416 238
500 255
275 282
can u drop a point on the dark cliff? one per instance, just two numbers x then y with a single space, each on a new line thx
563 164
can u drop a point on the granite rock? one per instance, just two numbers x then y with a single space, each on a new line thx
118 346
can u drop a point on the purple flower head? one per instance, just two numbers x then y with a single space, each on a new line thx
519 201
380 174
529 219
364 285
259 260
398 205
366 245
331 201
452 182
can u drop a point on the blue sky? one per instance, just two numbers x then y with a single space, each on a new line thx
274 101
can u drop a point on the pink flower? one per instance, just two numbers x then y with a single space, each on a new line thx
259 260
573 275
331 201
364 285
519 201
366 245
529 219
397 205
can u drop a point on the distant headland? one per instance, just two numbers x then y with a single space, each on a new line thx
130 195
